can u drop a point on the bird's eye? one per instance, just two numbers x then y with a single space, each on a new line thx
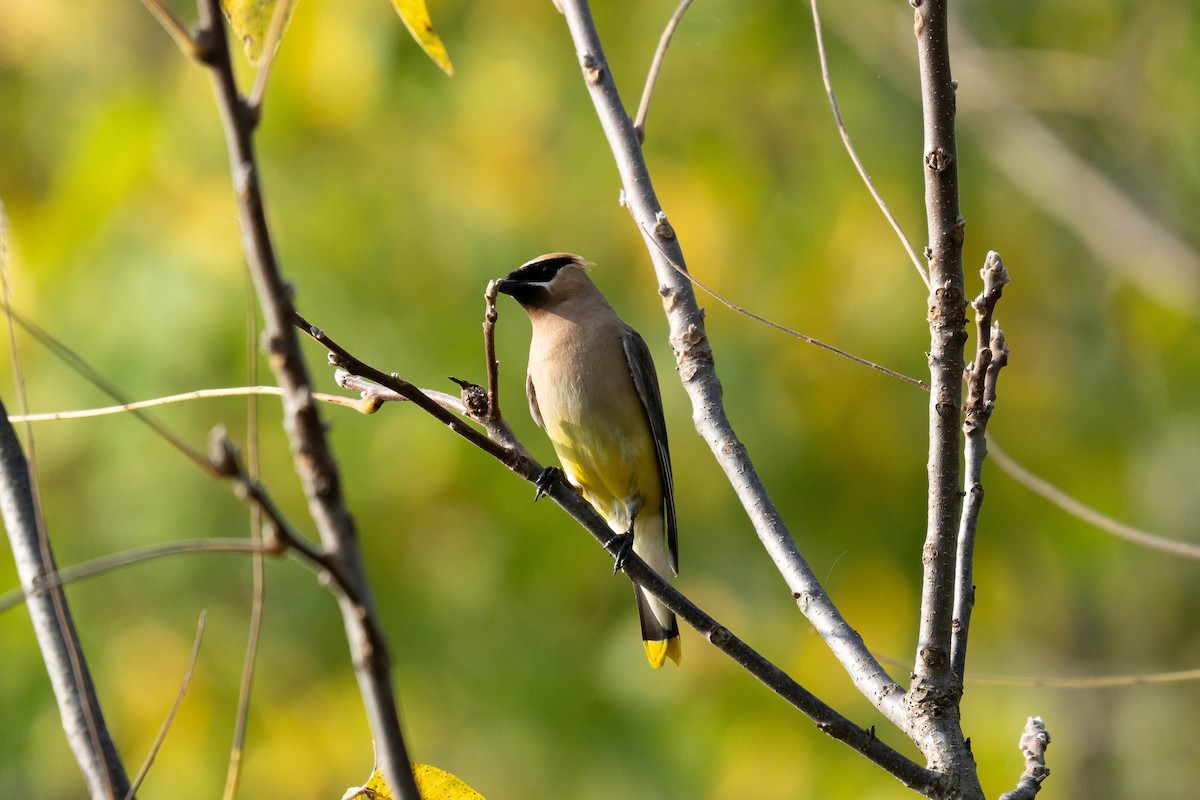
544 271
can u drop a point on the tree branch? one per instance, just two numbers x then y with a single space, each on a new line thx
935 693
78 705
98 566
313 459
947 321
1034 742
858 165
639 122
510 452
694 358
991 355
1086 513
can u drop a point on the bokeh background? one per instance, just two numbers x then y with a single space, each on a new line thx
395 193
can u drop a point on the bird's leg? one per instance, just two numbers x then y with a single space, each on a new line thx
624 546
545 481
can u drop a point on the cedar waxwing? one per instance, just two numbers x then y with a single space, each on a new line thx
592 387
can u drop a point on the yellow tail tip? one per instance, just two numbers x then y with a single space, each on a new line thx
660 650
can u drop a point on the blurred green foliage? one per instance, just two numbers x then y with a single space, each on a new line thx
395 193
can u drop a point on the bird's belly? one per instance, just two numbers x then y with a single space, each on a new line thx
611 461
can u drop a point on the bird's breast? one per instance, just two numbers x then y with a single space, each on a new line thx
597 424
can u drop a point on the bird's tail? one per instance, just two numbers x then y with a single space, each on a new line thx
661 639
660 630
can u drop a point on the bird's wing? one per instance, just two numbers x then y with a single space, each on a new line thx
534 411
641 366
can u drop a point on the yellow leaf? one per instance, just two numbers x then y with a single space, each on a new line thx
250 20
438 785
375 788
416 19
433 783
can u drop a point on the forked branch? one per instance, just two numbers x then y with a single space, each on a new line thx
695 361
313 458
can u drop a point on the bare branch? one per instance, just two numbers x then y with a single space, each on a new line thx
1086 513
858 165
174 28
695 361
279 17
373 395
1118 231
515 458
935 691
514 455
639 121
489 351
947 321
1034 742
78 705
991 354
1083 682
828 720
258 568
199 394
139 555
312 456
837 351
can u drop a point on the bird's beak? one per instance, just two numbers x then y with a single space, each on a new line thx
521 289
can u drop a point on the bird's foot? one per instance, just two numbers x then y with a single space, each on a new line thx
545 481
624 542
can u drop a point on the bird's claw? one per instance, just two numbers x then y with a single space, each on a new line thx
545 481
624 548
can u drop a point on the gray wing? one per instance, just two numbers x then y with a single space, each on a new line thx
641 366
534 411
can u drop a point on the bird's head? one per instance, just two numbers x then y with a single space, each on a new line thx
548 280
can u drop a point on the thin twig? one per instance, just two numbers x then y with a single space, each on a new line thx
1089 682
162 731
280 535
342 358
199 394
257 564
1033 744
639 121
99 566
373 395
1086 513
279 15
489 351
858 165
991 354
93 376
173 27
1093 682
732 306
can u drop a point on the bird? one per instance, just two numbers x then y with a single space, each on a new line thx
591 385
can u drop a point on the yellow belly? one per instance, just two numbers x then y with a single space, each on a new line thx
614 466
